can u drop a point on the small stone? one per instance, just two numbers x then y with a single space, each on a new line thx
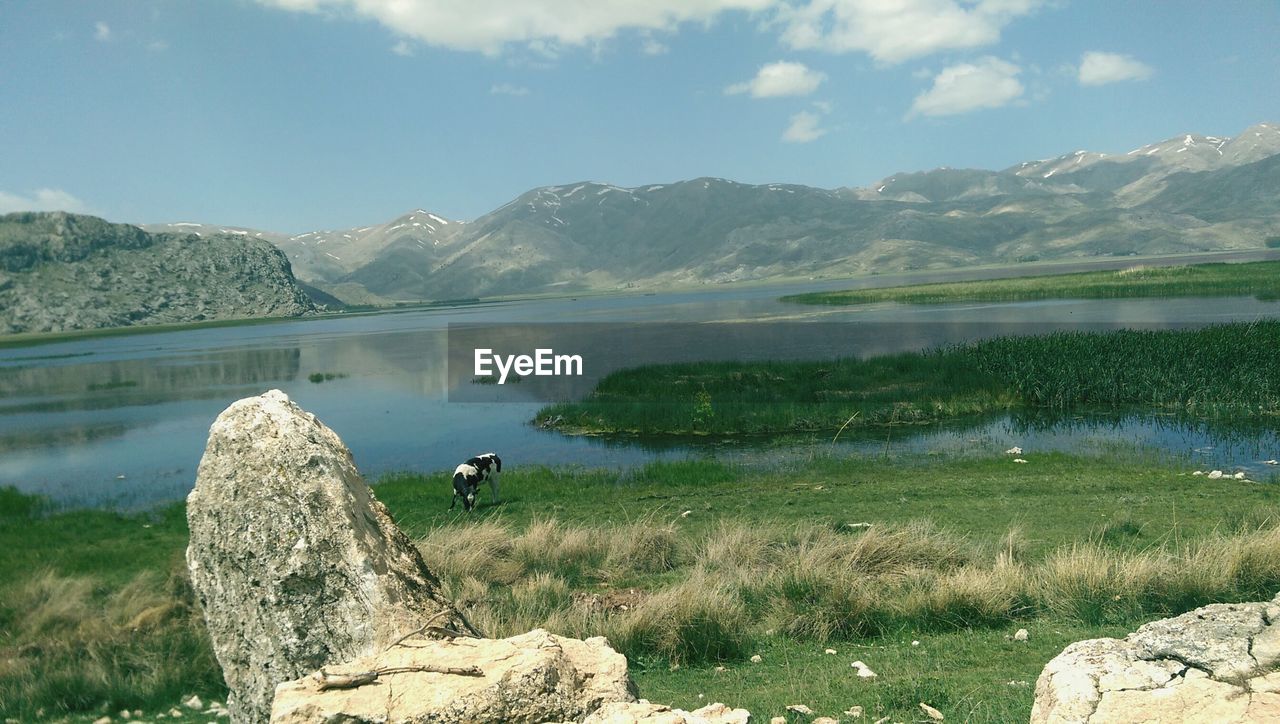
915 643
175 712
193 702
883 720
1013 451
757 659
1215 475
1198 473
825 720
686 514
1271 462
830 652
720 669
125 714
1019 460
778 720
853 712
864 671
1021 635
102 720
800 709
930 712
1239 476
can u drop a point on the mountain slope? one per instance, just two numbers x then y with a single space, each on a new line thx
62 271
1188 193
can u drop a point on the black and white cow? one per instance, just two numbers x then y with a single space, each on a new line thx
468 476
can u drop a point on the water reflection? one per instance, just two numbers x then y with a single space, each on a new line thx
122 420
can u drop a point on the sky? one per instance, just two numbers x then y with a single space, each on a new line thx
296 115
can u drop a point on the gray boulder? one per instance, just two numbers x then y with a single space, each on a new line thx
294 561
1214 664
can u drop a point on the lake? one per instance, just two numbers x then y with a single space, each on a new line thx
121 421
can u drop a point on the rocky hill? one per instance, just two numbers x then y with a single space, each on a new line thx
1189 193
61 272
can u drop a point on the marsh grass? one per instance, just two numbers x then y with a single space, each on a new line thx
1257 279
1225 372
95 611
717 592
71 644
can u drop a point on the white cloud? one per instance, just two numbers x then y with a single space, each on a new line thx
488 25
653 46
158 46
805 126
507 89
780 79
892 31
42 200
402 49
985 83
1098 68
102 31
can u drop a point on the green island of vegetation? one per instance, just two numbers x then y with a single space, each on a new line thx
865 557
1226 372
1259 279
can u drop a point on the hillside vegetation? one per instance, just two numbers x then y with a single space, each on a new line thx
61 272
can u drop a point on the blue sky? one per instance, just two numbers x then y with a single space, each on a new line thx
293 115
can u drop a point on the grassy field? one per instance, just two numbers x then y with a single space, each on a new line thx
1226 372
1257 279
692 566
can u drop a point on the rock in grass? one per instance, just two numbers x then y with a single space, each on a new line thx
1217 663
533 677
930 712
295 563
863 670
1021 635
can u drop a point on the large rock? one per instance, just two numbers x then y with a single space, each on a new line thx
533 677
644 712
294 561
1214 664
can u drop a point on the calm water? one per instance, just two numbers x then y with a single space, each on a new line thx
122 421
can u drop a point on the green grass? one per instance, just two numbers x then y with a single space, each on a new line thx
1257 279
95 609
1225 372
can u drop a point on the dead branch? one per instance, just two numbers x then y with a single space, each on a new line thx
325 681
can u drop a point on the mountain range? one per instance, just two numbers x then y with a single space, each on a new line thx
1189 193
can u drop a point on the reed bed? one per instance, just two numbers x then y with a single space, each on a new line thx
1224 371
1256 279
